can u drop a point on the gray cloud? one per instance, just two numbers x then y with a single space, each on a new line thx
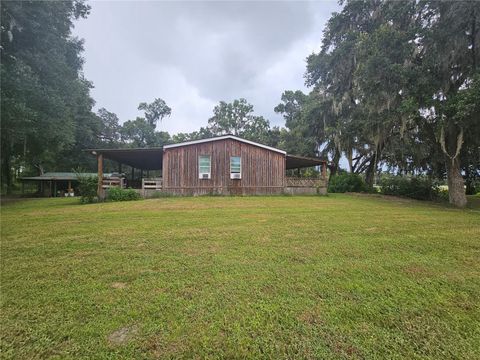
194 54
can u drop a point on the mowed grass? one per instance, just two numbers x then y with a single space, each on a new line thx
341 276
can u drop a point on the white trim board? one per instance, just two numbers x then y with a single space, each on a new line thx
186 143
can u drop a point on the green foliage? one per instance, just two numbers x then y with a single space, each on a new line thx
399 87
155 111
45 101
237 118
346 182
420 188
87 186
119 194
109 132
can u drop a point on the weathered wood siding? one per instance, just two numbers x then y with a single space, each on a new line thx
263 170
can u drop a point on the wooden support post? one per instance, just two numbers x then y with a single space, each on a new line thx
324 170
100 176
133 173
54 188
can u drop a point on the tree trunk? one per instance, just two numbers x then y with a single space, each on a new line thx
350 159
469 181
7 173
370 172
456 190
335 162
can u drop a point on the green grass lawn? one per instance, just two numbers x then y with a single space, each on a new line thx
341 276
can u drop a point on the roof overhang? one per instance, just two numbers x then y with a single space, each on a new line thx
233 137
295 162
53 176
144 158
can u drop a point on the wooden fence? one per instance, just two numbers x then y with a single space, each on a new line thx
112 182
155 184
305 182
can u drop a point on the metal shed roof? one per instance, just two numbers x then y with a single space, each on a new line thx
295 162
57 176
223 137
140 158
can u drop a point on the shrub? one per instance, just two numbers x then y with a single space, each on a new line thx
346 182
119 194
416 187
87 186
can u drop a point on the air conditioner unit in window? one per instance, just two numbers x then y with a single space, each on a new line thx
204 176
235 176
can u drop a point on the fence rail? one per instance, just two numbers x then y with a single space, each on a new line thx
112 182
305 182
155 183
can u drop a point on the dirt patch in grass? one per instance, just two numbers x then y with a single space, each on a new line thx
416 270
123 335
311 317
119 285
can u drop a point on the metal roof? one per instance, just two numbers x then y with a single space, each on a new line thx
223 137
295 162
139 158
57 176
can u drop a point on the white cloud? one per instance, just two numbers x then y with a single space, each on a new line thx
194 54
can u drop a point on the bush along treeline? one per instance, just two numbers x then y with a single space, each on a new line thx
420 188
414 187
87 186
346 182
399 91
119 194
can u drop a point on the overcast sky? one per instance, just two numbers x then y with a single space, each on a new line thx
194 54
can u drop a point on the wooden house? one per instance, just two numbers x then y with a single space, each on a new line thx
227 165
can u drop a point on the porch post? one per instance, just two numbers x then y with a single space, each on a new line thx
100 176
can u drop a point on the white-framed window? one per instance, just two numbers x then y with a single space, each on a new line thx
235 167
204 167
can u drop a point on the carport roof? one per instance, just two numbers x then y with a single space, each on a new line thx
144 158
295 161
